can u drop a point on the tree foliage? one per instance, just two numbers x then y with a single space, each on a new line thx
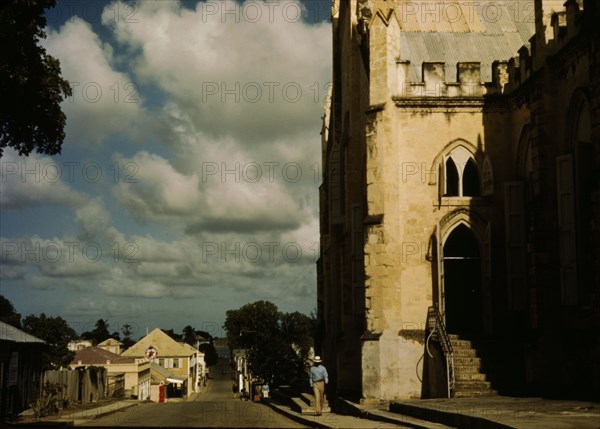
31 85
8 314
174 335
99 333
278 343
210 353
57 334
189 336
127 330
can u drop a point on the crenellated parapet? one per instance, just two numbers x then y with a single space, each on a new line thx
434 84
565 25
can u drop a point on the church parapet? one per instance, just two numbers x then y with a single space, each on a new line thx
433 82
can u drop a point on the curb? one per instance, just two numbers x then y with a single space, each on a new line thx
447 418
402 419
293 416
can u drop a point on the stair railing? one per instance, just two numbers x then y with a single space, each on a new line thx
437 332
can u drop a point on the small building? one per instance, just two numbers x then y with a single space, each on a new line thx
182 360
78 345
20 369
125 376
112 345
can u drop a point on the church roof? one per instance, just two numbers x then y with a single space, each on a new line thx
449 31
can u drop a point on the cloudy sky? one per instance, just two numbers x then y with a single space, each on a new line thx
188 181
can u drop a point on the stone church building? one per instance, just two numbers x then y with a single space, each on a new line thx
460 204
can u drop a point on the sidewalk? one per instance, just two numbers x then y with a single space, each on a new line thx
493 412
74 417
327 420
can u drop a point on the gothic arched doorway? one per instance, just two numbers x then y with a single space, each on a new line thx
462 281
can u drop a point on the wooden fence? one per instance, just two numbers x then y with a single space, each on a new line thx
83 385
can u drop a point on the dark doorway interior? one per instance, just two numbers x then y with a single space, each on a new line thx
462 282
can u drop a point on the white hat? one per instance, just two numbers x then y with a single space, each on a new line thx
317 359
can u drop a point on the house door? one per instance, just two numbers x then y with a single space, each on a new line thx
462 282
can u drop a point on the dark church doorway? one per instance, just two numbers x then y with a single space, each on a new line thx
462 282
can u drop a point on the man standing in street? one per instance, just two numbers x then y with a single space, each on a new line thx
318 380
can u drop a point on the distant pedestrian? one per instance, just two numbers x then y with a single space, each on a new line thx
265 390
318 380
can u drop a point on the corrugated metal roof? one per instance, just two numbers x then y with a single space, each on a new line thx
97 356
15 335
496 31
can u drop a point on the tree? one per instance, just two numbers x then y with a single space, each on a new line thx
57 334
210 353
189 336
171 333
8 314
127 331
31 84
100 332
278 343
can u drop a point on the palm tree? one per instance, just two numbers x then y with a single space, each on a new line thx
189 336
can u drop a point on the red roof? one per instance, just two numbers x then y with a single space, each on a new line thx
97 356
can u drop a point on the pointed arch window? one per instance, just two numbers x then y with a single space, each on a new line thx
461 176
470 179
452 178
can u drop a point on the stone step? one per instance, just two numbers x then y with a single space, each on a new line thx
464 376
468 393
472 384
310 399
467 368
465 352
466 361
303 408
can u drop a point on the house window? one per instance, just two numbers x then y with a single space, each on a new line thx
461 174
177 363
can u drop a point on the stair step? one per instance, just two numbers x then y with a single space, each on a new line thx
462 376
467 393
465 360
303 408
472 384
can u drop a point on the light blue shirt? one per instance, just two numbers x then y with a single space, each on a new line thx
318 373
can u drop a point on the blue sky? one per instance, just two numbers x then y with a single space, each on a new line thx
188 180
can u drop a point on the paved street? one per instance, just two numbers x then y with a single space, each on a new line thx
213 407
